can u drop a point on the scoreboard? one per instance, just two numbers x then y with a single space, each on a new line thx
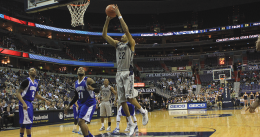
221 61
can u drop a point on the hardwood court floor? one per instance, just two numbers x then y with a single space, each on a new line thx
181 123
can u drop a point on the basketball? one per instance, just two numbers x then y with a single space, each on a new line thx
110 10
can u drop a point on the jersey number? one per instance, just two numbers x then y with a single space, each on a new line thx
121 55
33 94
104 94
80 95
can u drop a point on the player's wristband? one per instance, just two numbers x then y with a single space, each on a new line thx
120 17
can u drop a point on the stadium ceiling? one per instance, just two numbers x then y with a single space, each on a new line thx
160 6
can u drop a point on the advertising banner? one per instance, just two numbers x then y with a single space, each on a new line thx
177 106
54 116
197 105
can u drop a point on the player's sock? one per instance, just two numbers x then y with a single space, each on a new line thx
74 127
117 125
130 120
141 110
109 124
21 134
28 135
89 135
79 128
102 124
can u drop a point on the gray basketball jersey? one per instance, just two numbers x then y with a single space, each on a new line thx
124 57
105 93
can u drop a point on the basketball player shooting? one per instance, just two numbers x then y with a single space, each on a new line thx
85 89
125 76
27 92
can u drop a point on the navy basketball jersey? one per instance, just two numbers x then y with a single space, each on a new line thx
29 90
86 96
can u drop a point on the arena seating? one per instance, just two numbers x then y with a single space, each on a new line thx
152 64
177 63
108 53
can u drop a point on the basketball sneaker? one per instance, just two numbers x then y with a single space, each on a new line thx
136 129
127 128
132 129
109 128
145 117
102 128
116 131
74 131
80 132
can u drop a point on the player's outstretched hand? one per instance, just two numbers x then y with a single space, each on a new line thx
66 110
117 10
25 106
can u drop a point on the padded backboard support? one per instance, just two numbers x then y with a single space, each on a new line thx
33 6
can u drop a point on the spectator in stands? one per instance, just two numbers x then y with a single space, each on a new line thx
8 115
219 99
237 103
152 99
1 116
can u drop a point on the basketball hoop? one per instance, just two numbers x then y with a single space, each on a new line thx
222 79
77 11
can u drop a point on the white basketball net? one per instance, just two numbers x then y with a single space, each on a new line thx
77 12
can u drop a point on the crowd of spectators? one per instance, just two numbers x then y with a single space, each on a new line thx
181 85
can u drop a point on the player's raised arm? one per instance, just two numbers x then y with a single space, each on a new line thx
258 44
110 40
125 28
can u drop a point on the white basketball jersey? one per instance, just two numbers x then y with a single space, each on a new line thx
124 57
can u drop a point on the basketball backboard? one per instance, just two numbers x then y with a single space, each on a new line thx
222 73
33 6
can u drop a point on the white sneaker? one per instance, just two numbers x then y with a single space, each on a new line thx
145 117
102 128
116 131
127 128
74 131
80 132
132 129
109 128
